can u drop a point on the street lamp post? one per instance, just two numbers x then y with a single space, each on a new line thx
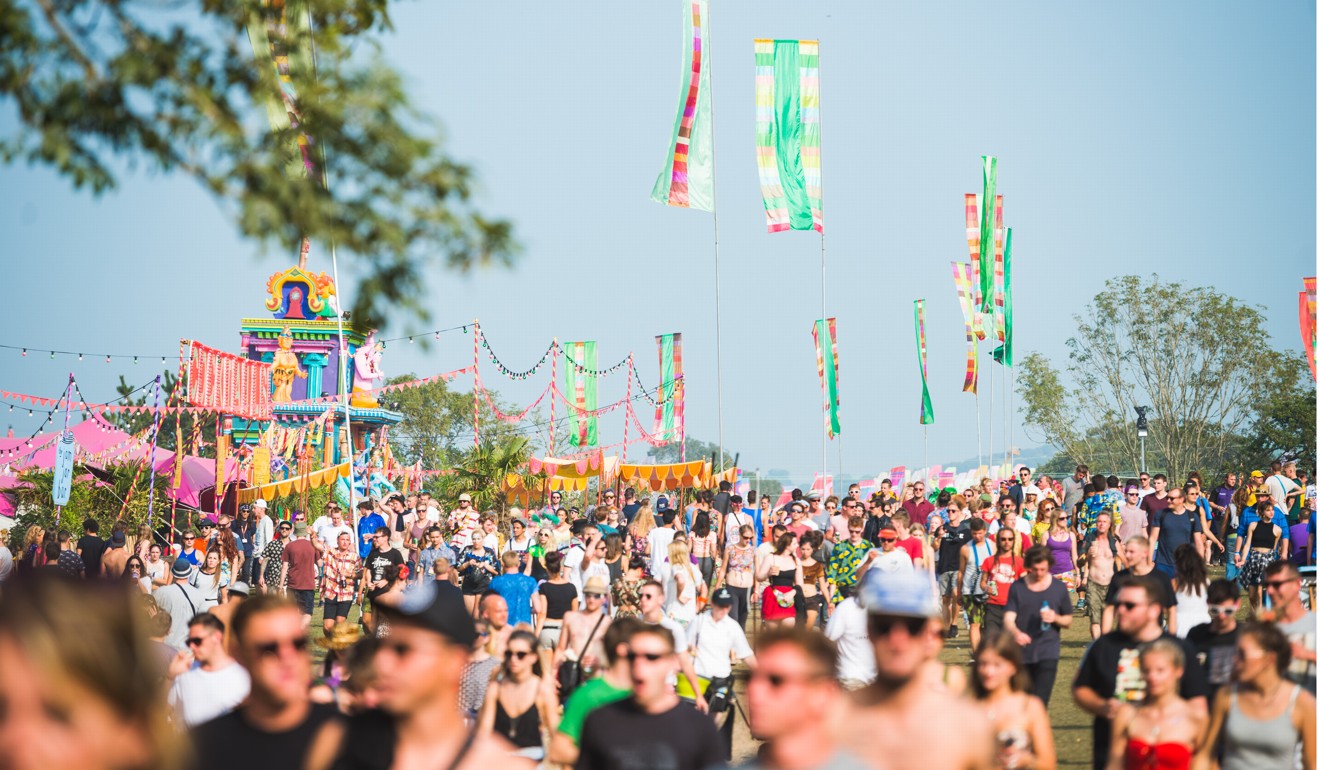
1142 430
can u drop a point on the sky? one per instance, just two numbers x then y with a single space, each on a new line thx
1176 138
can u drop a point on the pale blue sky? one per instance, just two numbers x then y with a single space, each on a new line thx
1133 137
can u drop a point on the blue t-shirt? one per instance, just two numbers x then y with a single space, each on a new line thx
366 530
517 590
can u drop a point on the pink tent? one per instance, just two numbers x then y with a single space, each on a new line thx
6 507
198 475
91 436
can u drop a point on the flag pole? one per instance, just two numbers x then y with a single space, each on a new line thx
715 219
990 444
825 426
980 458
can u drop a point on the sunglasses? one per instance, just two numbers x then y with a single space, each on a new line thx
272 649
1222 611
1276 584
652 657
1129 606
884 625
591 595
517 654
194 641
854 531
888 539
648 596
776 681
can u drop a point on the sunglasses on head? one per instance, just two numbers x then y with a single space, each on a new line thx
271 649
884 625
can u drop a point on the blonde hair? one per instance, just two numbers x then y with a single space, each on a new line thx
680 556
34 535
643 522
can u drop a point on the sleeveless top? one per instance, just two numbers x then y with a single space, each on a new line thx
523 731
1061 550
683 608
784 578
1140 755
1259 744
971 585
1264 535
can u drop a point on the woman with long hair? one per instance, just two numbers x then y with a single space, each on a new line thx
638 542
614 560
231 559
1062 542
737 573
1190 582
210 580
520 705
141 544
554 597
32 555
81 683
135 572
684 585
1021 724
477 672
783 570
1163 731
1257 548
703 545
814 588
1262 719
477 566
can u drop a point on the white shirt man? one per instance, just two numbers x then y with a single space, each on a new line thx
327 528
714 635
847 629
217 684
660 538
265 528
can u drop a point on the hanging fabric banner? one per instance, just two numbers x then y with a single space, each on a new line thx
962 281
669 405
919 319
897 475
826 335
688 178
999 268
580 388
788 133
1004 353
281 39
971 208
1306 316
223 382
990 173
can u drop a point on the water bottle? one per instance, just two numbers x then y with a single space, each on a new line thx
1043 625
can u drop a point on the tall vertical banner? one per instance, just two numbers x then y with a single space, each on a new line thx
826 335
972 209
669 407
919 320
1306 317
897 475
962 281
989 177
1004 353
999 267
580 389
688 177
788 133
281 40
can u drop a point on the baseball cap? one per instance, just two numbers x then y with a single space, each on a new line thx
662 503
908 594
300 528
441 612
1257 475
813 495
518 521
722 598
465 498
182 568
260 503
239 587
245 507
890 531
116 539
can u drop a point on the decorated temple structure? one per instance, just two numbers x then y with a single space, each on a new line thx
300 339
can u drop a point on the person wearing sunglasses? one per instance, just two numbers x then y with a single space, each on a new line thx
216 684
278 722
614 684
1176 525
1283 585
269 579
1110 674
903 624
791 696
1132 518
652 727
998 573
518 704
1216 641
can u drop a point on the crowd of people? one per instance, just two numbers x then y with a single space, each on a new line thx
613 635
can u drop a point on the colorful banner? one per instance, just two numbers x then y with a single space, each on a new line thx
971 209
826 335
223 382
788 133
669 406
269 31
962 281
688 178
1306 316
919 319
1004 353
580 386
897 475
999 268
990 173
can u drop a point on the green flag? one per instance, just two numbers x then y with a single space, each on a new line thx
989 177
688 178
788 133
580 389
1004 353
919 321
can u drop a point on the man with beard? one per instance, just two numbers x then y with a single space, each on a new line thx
900 606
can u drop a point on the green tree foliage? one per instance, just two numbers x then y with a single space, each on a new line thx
100 85
1200 359
437 425
480 472
696 450
96 493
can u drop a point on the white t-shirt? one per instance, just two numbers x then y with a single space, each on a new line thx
735 521
328 533
847 628
199 696
573 565
1279 486
660 538
896 560
156 570
680 634
713 641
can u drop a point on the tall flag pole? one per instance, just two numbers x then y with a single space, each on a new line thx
919 321
688 177
962 281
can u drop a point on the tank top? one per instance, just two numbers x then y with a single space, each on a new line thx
1256 744
784 578
523 731
1061 550
972 572
1140 755
1263 536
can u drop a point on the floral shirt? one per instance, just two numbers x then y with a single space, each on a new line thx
626 597
270 564
341 572
844 561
